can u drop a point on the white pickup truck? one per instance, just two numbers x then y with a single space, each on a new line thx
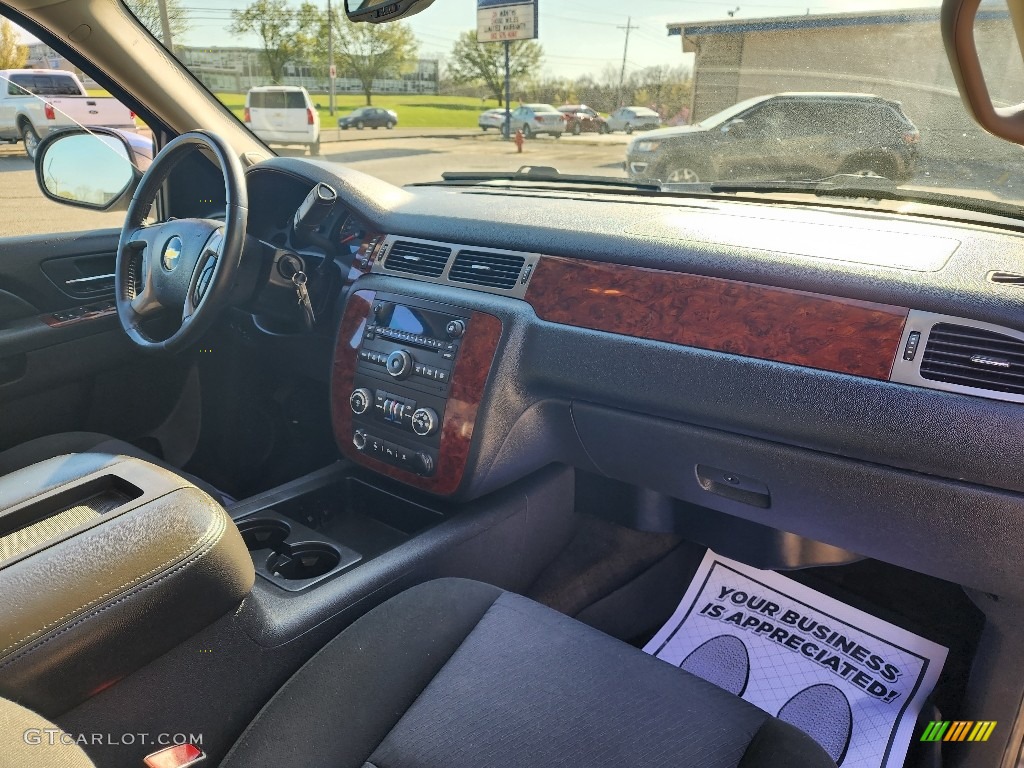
36 102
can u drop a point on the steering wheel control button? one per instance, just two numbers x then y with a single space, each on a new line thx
400 364
425 422
455 329
360 401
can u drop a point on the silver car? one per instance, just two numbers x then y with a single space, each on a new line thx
535 119
631 119
492 118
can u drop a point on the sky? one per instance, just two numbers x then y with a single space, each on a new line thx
578 36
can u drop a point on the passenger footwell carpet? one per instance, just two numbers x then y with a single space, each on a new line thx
852 681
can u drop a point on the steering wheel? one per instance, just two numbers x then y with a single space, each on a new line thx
180 265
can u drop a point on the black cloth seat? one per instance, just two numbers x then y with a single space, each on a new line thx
458 674
43 448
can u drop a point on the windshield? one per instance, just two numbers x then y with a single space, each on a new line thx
844 87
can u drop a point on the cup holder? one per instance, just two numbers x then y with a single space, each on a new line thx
264 534
304 561
289 554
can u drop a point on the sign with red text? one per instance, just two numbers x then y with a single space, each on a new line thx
501 20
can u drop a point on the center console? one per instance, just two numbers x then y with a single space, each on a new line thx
407 382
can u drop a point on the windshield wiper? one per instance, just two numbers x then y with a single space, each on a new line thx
857 186
541 173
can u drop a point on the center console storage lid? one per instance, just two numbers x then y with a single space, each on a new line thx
106 562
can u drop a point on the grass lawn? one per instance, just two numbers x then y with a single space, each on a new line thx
413 111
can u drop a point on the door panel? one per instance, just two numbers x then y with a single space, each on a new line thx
64 359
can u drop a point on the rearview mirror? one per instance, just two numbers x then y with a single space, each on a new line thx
380 11
97 168
957 19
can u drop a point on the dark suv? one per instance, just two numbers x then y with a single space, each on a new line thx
783 136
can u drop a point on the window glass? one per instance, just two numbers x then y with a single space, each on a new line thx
296 100
49 100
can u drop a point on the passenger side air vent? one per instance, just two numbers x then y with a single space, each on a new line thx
1006 278
418 258
971 357
494 270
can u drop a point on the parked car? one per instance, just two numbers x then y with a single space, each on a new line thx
283 114
631 119
535 119
36 102
579 118
783 136
369 117
492 118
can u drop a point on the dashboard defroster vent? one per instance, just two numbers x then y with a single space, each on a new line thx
972 357
1006 278
418 258
494 270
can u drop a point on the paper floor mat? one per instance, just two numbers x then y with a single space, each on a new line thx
853 682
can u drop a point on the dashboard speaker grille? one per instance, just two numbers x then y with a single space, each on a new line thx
418 258
495 270
971 357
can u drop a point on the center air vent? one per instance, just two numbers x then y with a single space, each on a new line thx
971 357
417 258
494 270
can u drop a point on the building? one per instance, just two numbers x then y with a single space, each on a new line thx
42 56
894 54
236 70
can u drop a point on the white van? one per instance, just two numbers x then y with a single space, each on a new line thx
283 114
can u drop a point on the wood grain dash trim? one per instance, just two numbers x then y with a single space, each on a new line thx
787 326
472 367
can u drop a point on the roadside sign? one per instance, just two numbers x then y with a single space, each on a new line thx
334 72
505 20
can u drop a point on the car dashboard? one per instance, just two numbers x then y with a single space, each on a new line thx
845 375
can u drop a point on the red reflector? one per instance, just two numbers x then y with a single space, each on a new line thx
131 114
246 118
309 116
175 757
48 111
538 119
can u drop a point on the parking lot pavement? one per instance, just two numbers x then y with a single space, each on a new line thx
24 210
417 158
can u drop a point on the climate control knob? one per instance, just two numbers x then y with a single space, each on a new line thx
360 401
399 364
359 440
455 329
424 421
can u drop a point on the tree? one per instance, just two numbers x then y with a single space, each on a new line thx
148 13
472 61
372 51
279 29
12 53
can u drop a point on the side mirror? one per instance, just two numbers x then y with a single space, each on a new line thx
380 11
97 168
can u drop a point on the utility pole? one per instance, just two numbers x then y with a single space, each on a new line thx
331 72
165 25
625 50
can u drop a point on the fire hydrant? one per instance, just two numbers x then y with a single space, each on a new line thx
519 141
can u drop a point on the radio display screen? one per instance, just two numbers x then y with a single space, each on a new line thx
414 320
